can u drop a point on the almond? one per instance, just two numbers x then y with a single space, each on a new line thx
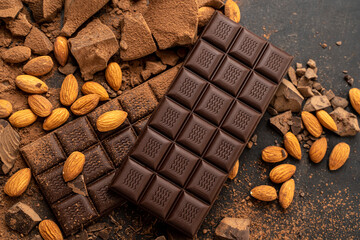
73 166
57 118
111 120
292 145
113 75
318 150
31 84
264 193
22 118
234 170
354 95
286 193
40 105
69 90
39 66
5 108
85 104
326 120
232 11
273 154
18 183
95 88
61 50
339 155
49 230
282 173
312 124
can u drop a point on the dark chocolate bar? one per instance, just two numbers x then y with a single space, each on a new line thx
183 156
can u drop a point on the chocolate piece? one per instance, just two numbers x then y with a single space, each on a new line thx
287 97
10 8
233 228
78 186
346 122
16 54
19 26
38 42
22 218
178 165
9 146
316 103
280 122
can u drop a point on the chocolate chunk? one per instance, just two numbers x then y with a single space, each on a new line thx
5 37
204 15
21 218
78 186
19 26
303 81
16 54
349 79
310 74
339 102
45 10
155 67
280 122
233 228
9 146
306 91
83 235
311 63
297 125
168 57
292 76
10 8
346 122
69 68
316 103
329 94
38 42
287 98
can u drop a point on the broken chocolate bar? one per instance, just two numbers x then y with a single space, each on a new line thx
182 158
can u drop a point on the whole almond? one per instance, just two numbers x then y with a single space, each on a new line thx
40 105
18 183
354 95
339 155
61 50
113 75
232 11
111 120
326 120
282 173
57 118
73 166
286 193
95 88
39 66
49 230
318 150
22 118
31 84
312 124
292 145
5 108
85 104
234 170
273 154
69 90
264 193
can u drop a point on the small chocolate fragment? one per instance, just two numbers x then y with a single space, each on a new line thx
311 63
346 122
310 74
21 218
16 54
9 146
349 79
69 68
329 94
339 102
297 125
78 185
316 103
233 228
19 26
287 98
38 42
168 57
292 76
306 91
280 122
10 8
83 235
45 10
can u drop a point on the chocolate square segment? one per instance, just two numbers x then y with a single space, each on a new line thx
213 104
160 196
169 118
151 148
231 75
247 47
258 92
241 121
221 31
224 150
187 88
204 59
76 135
43 153
274 63
140 124
178 165
188 214
131 180
196 134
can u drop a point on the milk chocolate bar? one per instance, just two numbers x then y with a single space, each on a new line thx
183 156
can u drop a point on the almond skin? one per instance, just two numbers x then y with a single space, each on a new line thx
61 50
5 108
39 66
18 183
292 145
49 230
282 173
40 105
318 150
95 88
22 118
85 104
273 154
339 155
234 171
264 193
326 120
286 193
31 84
73 166
113 75
232 11
111 120
312 124
69 90
58 117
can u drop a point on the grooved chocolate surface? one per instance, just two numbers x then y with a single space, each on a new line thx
182 158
